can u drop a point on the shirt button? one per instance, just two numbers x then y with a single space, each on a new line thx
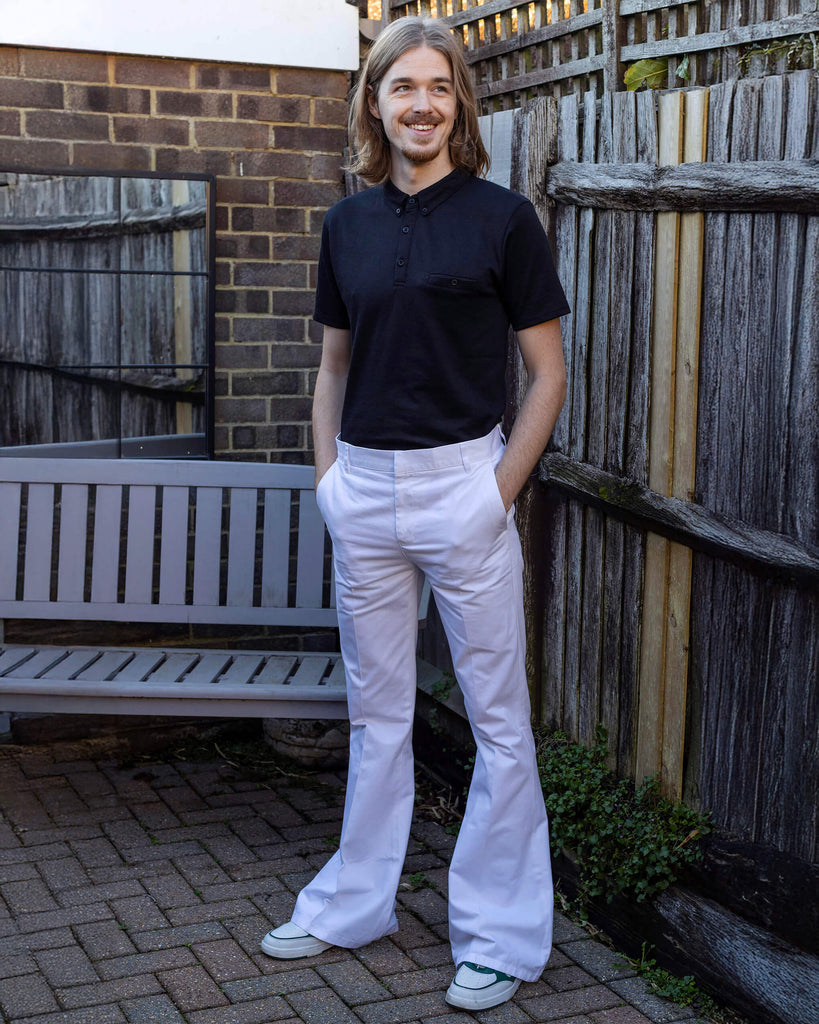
405 230
425 211
401 262
398 210
454 282
412 201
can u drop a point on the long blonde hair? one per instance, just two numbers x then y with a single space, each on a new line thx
371 150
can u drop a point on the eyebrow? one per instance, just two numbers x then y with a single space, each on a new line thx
406 80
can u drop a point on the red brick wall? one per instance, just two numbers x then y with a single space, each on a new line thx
274 139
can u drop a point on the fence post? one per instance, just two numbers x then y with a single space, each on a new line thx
613 38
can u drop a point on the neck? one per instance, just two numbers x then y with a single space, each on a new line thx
411 177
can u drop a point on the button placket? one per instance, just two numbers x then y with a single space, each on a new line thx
405 241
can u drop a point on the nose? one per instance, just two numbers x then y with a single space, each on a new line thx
422 101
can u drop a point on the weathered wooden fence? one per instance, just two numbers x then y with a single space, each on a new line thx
519 51
682 563
104 308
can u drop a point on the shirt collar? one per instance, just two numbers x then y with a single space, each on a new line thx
428 198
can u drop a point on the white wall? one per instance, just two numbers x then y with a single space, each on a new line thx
290 33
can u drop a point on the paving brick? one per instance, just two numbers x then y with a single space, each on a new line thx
412 933
604 963
93 1015
101 993
620 1015
15 964
151 1010
225 960
210 912
16 872
396 1011
65 916
433 956
635 991
289 980
413 983
51 939
104 939
65 873
384 957
563 979
565 930
144 963
96 853
20 854
192 988
168 938
139 913
353 983
426 904
67 966
261 1011
200 869
323 1006
28 897
26 995
567 1004
110 891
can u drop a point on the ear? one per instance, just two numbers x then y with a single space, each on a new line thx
372 102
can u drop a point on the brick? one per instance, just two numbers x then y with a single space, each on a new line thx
48 125
225 960
187 161
252 329
169 938
320 140
291 409
620 1015
306 193
26 995
232 134
311 83
250 218
564 1004
295 355
160 130
151 1009
144 963
266 384
244 437
636 992
64 66
330 112
428 1004
107 99
139 913
353 983
101 992
270 164
289 109
271 275
261 1011
322 1006
297 247
192 988
9 60
27 897
9 122
220 76
113 158
243 247
605 964
19 92
66 967
326 167
241 357
242 190
194 104
293 303
173 74
104 939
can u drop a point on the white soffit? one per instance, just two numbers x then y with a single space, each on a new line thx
290 33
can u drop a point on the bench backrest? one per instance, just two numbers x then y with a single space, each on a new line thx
162 541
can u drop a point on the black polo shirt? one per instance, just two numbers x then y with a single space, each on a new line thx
428 286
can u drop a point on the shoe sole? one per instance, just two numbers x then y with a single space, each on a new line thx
472 1000
293 949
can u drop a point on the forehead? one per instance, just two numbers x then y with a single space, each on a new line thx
420 64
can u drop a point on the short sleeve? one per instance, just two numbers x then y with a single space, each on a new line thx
329 308
531 290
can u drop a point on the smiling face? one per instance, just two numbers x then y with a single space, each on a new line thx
416 104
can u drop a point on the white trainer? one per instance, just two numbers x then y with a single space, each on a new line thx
477 988
289 942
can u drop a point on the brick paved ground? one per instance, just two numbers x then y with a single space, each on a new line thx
140 894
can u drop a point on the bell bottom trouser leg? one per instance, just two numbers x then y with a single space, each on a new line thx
438 511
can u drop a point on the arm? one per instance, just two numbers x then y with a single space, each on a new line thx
328 397
542 352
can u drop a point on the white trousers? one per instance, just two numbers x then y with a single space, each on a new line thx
394 515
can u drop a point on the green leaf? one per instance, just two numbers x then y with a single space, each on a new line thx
651 72
684 68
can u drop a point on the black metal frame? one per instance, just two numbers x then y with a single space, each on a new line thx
209 274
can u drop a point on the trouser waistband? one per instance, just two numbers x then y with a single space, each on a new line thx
421 460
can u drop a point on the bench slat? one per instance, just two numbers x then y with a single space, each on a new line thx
172 668
73 532
310 577
242 553
311 671
41 662
140 667
244 667
139 564
14 656
10 495
71 666
107 528
39 540
173 554
275 548
337 677
208 546
106 667
208 668
277 669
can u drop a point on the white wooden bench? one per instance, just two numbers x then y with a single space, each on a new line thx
165 542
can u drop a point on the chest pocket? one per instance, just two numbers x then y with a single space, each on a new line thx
454 283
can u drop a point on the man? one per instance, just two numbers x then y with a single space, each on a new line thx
419 278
